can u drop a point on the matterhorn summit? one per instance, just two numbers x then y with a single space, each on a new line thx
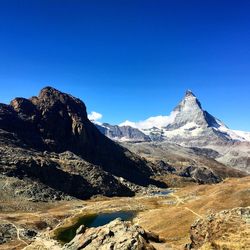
190 115
188 102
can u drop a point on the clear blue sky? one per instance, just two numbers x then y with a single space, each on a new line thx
130 59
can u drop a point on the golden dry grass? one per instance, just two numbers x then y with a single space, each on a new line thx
169 216
173 222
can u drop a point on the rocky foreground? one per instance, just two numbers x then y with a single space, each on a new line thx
117 234
195 216
229 229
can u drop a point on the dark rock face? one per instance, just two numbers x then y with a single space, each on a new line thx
56 122
51 176
161 165
207 152
201 175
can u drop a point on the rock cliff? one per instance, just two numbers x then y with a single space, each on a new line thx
49 139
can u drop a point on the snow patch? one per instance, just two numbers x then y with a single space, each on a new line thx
234 134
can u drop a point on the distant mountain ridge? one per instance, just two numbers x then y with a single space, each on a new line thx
122 133
192 126
188 119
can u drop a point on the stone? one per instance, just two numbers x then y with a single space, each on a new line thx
117 234
202 175
81 229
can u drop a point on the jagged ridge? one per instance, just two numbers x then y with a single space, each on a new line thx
57 122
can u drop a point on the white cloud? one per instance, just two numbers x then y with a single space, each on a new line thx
155 121
94 116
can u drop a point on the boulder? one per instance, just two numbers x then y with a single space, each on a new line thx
117 234
202 175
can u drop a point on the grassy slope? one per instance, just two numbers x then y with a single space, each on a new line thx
170 217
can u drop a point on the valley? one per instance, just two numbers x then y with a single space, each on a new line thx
169 216
59 172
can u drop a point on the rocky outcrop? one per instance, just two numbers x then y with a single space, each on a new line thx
117 234
200 175
58 122
228 229
207 152
49 139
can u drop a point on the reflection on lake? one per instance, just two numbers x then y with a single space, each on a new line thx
95 220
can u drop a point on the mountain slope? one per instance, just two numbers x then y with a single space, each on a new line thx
181 157
55 122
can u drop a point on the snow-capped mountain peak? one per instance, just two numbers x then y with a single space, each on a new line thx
189 111
189 93
189 102
187 122
188 125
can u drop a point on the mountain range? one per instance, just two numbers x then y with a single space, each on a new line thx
49 150
58 170
189 126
